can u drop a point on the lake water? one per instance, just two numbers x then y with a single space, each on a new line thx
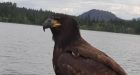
27 50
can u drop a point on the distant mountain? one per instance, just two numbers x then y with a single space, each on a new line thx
138 18
98 15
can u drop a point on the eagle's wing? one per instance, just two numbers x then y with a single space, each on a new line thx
91 52
70 64
87 60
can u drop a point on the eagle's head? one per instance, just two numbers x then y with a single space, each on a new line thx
60 21
63 27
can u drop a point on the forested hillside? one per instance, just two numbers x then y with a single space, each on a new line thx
9 12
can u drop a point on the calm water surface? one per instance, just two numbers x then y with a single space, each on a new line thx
27 50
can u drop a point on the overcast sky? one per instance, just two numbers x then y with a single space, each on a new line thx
125 9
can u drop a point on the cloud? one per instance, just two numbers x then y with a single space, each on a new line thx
136 10
126 11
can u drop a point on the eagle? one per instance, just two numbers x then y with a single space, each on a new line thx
72 54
